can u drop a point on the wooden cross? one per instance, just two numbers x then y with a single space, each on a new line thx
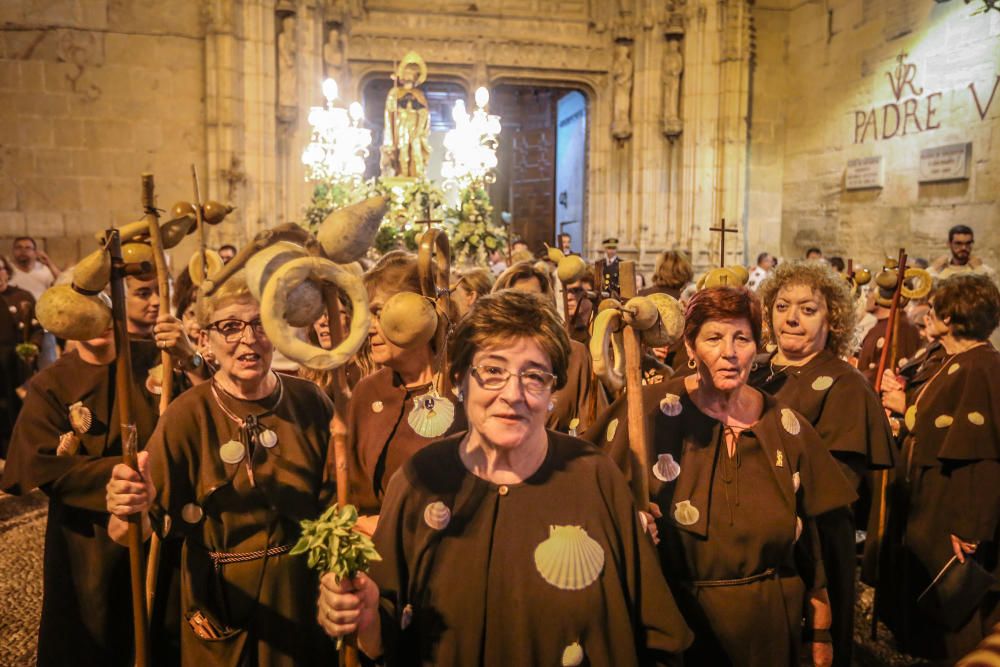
722 240
428 221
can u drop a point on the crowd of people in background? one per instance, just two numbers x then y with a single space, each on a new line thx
781 458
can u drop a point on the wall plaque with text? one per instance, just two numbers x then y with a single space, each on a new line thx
864 173
945 163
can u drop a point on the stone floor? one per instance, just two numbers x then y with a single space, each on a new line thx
22 528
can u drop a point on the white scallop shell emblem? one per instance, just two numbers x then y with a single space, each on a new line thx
232 452
943 421
822 383
569 559
432 415
572 655
670 405
910 417
880 343
612 429
796 481
192 513
790 422
771 347
666 469
685 513
80 417
377 406
953 368
268 438
437 515
977 418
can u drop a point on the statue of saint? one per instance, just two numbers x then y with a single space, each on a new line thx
406 145
621 76
287 75
670 76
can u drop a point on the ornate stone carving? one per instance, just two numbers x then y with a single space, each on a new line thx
670 78
333 54
622 71
288 80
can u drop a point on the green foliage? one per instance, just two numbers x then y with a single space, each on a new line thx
334 546
409 202
471 230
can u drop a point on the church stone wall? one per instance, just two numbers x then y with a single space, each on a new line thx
92 94
885 79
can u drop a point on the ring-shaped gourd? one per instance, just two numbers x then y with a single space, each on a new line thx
607 349
272 312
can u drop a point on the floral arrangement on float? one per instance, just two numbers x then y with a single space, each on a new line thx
335 163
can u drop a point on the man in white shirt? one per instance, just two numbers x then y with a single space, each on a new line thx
34 272
765 264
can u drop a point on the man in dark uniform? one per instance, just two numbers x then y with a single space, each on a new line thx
609 267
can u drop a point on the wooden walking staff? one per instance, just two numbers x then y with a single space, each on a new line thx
633 390
200 218
123 393
434 265
887 360
162 280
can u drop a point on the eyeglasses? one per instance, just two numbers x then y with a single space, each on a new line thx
232 329
494 378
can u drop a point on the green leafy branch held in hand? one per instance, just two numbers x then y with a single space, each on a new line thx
334 546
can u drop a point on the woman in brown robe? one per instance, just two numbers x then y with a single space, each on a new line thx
809 313
509 544
234 465
65 442
947 485
740 477
382 430
577 403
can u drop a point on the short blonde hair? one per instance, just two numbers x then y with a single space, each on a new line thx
824 279
233 290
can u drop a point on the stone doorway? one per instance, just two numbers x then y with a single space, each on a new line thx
542 170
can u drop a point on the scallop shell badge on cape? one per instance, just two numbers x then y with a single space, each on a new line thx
432 414
790 421
572 655
666 469
671 405
437 515
569 559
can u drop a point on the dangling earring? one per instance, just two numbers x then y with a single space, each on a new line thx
552 406
459 395
754 366
692 364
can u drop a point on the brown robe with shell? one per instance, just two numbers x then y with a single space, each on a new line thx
86 607
843 408
265 607
581 399
461 586
379 436
947 483
730 524
871 347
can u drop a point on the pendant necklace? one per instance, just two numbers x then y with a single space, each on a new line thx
251 431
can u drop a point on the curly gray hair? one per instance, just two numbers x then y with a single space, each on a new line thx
822 278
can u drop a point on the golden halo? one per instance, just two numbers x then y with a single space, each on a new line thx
413 58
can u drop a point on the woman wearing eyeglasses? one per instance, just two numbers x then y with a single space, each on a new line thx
233 466
509 544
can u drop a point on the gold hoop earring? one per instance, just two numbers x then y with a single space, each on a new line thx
754 366
692 364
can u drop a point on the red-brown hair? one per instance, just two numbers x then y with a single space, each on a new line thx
722 303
